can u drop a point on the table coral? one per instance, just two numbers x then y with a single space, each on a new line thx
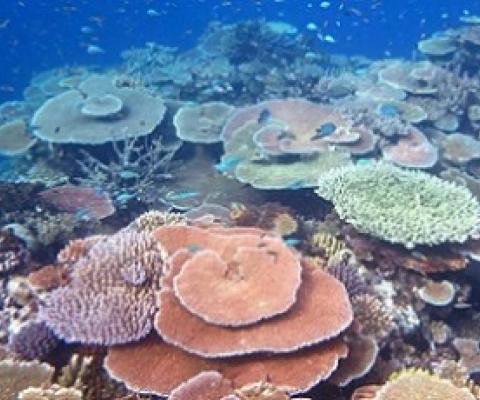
401 206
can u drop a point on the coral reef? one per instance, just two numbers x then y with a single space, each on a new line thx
110 296
85 115
374 199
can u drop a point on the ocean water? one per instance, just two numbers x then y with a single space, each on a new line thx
239 200
45 34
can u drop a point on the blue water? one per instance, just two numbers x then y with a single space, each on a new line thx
40 34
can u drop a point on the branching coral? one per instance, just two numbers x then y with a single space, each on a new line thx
110 296
137 164
400 206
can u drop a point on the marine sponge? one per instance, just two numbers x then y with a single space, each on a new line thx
401 206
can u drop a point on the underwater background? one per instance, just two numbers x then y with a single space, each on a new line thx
43 34
240 200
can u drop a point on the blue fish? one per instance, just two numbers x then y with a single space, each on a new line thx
172 196
325 130
83 215
292 242
227 164
124 197
389 110
264 116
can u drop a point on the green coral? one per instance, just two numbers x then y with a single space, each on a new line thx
301 173
401 206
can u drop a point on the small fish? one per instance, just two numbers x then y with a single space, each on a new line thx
325 130
329 39
172 196
326 38
264 116
93 49
227 164
83 215
129 174
292 242
324 4
124 197
4 24
153 13
389 110
312 26
87 30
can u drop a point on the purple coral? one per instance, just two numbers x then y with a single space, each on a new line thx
13 253
106 301
351 279
33 341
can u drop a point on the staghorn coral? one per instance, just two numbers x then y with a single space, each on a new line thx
137 163
401 206
102 303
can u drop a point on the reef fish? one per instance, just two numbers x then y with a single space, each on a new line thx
264 116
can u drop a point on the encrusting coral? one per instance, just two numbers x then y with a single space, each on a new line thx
401 206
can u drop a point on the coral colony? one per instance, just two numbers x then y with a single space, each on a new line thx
249 219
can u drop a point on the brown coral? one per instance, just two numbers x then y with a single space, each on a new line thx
152 366
207 385
272 349
322 310
218 284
